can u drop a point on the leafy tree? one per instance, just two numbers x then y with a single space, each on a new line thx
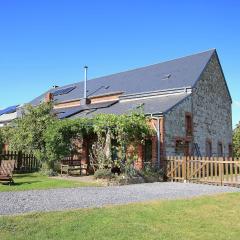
1 139
236 141
27 132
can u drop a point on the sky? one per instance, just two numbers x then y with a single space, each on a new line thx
45 43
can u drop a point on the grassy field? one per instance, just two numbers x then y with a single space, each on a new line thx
216 217
37 181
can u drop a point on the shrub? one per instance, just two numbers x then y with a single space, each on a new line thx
151 174
130 170
46 171
103 174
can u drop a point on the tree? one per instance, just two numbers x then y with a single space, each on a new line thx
236 141
5 134
27 132
1 139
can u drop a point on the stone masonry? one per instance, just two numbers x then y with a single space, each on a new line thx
175 125
210 107
212 112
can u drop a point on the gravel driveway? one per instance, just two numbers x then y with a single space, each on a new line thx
85 197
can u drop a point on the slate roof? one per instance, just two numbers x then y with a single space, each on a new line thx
70 111
155 105
178 73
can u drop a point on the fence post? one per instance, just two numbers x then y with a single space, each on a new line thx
184 169
19 160
221 171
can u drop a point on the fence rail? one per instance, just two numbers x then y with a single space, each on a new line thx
24 162
214 170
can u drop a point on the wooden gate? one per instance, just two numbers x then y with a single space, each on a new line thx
214 170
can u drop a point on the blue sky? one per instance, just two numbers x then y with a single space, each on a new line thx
46 43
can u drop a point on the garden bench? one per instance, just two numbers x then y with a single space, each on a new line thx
6 170
67 168
64 169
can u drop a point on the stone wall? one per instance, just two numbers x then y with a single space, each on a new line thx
212 114
175 125
210 106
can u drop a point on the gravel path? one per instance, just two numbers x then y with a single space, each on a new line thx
85 197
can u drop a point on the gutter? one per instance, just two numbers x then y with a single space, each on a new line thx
157 93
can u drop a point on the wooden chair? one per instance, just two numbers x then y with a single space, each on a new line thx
6 170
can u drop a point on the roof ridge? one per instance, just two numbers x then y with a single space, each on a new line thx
138 68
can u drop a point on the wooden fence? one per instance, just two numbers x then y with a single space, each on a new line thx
24 162
214 170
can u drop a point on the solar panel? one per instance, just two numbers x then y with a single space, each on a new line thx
8 110
63 91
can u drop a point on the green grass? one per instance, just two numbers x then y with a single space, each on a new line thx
34 181
216 217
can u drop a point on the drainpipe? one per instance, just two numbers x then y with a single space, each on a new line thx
157 129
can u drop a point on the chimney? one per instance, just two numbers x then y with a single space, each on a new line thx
85 100
48 97
85 81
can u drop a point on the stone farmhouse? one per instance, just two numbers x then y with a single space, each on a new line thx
187 99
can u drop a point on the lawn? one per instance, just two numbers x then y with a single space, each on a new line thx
36 181
215 217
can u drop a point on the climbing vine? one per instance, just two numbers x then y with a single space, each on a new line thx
102 130
63 136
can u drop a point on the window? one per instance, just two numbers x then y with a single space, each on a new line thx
188 124
208 148
148 150
230 150
220 149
